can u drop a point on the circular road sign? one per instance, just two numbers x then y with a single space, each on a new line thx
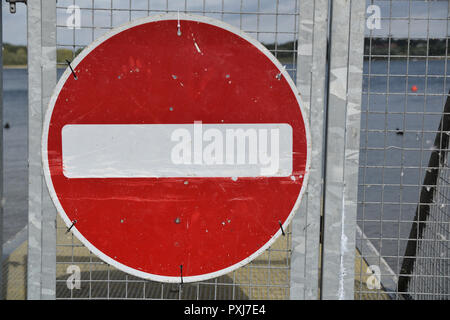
176 148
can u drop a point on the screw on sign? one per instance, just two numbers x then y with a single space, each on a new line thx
184 156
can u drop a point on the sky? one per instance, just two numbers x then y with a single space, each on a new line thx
14 25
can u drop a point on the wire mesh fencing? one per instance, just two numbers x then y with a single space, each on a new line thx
402 236
429 276
424 272
266 277
275 24
405 88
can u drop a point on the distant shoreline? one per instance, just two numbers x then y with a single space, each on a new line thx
393 58
23 67
15 67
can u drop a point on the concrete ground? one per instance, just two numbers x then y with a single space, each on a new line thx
267 277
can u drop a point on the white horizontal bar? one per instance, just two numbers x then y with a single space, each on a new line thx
177 150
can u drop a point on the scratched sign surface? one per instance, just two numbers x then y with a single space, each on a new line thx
176 148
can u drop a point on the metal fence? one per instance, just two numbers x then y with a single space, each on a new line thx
370 151
275 24
400 209
297 33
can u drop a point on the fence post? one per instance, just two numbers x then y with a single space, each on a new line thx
312 43
34 151
342 148
41 264
1 153
49 77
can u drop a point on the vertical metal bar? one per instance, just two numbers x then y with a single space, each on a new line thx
41 264
342 149
277 4
1 153
48 209
312 42
35 180
353 122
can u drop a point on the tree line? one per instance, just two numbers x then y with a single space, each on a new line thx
381 48
16 55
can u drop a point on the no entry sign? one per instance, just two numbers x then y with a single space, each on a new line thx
177 149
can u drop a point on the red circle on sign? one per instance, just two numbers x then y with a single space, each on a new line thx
145 72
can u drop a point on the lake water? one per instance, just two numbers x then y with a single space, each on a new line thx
392 164
15 102
391 175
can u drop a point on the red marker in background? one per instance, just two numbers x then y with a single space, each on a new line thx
414 88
